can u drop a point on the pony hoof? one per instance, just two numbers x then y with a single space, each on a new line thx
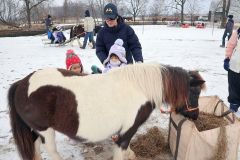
129 154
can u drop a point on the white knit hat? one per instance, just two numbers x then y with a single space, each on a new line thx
117 49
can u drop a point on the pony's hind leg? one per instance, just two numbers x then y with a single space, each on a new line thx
79 43
50 144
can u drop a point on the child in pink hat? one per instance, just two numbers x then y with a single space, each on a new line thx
73 62
116 56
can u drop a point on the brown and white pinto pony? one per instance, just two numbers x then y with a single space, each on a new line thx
95 107
78 32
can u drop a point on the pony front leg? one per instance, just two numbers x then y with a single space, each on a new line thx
37 144
118 153
50 144
129 154
121 154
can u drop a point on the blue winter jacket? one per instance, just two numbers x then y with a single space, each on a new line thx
107 36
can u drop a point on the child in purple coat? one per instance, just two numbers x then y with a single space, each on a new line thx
116 56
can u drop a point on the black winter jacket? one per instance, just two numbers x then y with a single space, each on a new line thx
107 36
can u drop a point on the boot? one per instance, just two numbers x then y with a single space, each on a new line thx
94 44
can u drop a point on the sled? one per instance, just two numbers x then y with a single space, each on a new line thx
47 42
187 143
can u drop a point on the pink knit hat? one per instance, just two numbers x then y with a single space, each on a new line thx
72 58
117 49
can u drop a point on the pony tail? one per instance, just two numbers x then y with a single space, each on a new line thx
21 132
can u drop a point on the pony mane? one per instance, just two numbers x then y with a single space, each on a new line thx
147 77
176 85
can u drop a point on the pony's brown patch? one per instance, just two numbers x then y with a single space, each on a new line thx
48 106
67 73
54 107
78 31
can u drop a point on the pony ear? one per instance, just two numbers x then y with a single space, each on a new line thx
196 82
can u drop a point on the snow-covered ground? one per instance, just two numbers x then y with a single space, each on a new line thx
189 48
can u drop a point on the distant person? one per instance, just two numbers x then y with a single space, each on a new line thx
89 26
116 57
48 23
57 35
228 30
114 28
232 65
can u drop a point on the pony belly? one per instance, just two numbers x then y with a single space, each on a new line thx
102 126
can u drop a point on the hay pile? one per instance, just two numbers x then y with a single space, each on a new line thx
208 121
151 144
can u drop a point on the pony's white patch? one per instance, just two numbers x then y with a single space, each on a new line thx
107 103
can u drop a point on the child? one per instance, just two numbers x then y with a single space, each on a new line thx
73 62
116 56
58 36
232 65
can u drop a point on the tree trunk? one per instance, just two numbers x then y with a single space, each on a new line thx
28 13
228 7
224 18
182 13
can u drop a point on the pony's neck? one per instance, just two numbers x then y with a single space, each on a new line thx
146 77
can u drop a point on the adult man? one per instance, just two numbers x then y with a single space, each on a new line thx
228 30
113 29
48 23
88 28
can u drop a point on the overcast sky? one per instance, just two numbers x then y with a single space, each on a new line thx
205 5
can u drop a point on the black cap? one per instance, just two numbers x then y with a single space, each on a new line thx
49 16
110 11
87 13
230 16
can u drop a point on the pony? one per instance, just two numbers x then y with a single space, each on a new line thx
96 107
77 32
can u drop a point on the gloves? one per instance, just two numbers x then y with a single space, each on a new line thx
226 64
95 69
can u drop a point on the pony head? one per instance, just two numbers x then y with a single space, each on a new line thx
190 107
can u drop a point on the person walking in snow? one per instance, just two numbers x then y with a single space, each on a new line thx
228 30
89 26
48 23
232 65
113 29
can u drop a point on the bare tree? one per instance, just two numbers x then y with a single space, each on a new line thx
181 4
225 5
10 12
193 8
29 5
135 7
178 6
100 5
157 8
